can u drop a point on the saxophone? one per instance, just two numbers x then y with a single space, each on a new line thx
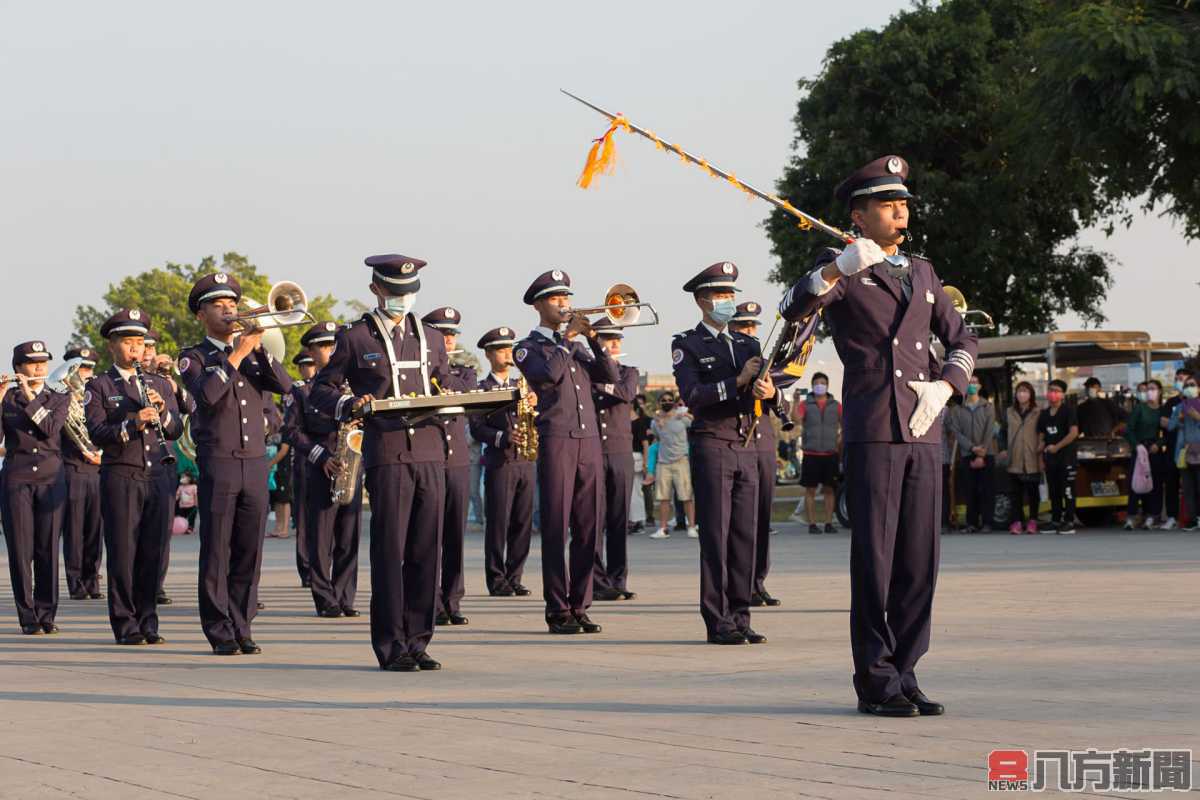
526 423
66 380
348 453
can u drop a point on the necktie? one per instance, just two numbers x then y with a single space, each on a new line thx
228 349
558 338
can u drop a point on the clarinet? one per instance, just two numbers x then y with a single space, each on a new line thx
167 456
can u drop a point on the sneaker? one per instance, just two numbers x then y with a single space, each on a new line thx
1066 529
1015 529
771 532
1031 526
1191 527
693 532
1169 524
797 517
1128 524
661 533
830 528
813 528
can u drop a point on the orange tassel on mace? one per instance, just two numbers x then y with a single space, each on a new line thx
602 157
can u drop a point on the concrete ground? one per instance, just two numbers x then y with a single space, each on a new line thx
1039 642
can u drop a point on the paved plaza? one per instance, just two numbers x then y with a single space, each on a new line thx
1048 642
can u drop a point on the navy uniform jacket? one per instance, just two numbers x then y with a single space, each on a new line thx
32 432
228 421
359 356
111 402
883 342
707 382
312 434
494 430
613 401
454 426
562 375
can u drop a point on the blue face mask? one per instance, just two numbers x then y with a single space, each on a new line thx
399 304
1142 397
723 311
1191 391
820 389
972 388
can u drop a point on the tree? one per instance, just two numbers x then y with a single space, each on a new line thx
162 292
939 85
1121 83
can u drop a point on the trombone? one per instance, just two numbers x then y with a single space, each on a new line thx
622 306
959 300
286 306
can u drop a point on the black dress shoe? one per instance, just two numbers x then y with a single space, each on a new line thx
458 619
403 663
927 707
162 600
501 591
628 595
351 612
426 662
80 595
563 623
132 640
728 637
95 595
521 591
585 624
442 618
226 649
894 706
606 595
305 585
32 630
330 613
756 599
49 627
260 605
248 647
768 600
154 638
753 637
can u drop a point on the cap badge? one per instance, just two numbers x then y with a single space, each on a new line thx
894 165
504 331
37 347
727 268
221 277
135 314
407 267
557 275
451 313
752 308
329 326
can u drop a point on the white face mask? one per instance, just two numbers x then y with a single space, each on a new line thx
723 311
397 305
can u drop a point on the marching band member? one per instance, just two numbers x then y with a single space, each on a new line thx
34 490
717 375
766 444
307 368
508 478
82 538
614 403
227 373
570 467
452 586
390 353
166 474
332 529
882 306
137 504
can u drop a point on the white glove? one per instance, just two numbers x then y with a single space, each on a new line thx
931 399
859 255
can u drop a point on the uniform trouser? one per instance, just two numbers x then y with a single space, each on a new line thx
233 517
301 473
725 485
895 499
766 501
32 523
135 512
570 474
406 532
1060 485
508 497
612 564
168 481
82 540
451 586
333 534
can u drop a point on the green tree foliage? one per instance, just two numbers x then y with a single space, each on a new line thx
1117 91
940 85
162 292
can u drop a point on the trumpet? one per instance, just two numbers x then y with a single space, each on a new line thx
286 306
622 306
959 300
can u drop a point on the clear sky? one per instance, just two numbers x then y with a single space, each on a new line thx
309 135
